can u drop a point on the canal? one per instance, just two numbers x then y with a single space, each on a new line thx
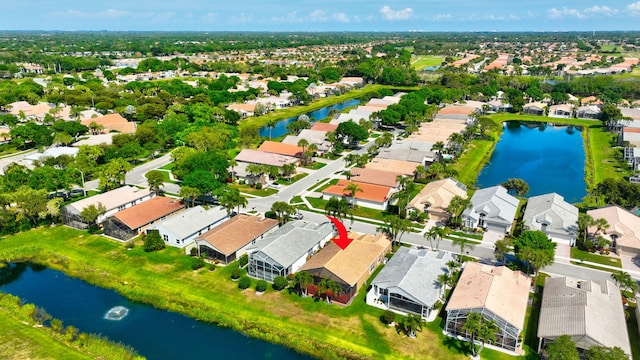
281 126
154 333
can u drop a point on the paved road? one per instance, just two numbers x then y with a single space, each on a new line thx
5 161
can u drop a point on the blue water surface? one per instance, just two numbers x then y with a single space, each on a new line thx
550 158
154 333
281 126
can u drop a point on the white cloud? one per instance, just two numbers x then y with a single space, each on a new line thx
442 17
634 8
290 18
341 17
565 12
109 13
318 16
602 10
241 19
390 14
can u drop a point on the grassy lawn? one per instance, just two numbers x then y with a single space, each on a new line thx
165 279
253 191
331 182
28 342
169 166
295 200
166 178
473 160
464 234
315 165
595 258
632 330
283 181
420 62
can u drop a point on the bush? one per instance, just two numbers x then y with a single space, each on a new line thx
271 215
193 251
261 286
258 186
197 263
212 267
130 244
236 273
244 283
242 182
279 283
153 241
388 317
244 260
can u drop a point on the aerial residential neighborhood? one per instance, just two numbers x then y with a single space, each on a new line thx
316 183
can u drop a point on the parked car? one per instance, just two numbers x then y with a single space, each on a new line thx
76 192
58 194
297 216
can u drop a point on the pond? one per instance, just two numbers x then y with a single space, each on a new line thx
550 158
281 126
154 333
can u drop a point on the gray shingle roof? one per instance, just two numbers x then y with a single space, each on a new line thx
191 220
579 308
292 240
495 202
559 216
415 273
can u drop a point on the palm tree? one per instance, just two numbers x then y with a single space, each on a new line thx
412 323
338 207
271 124
233 163
472 326
352 189
328 288
584 222
601 225
395 227
487 332
431 235
283 210
301 280
625 282
456 206
444 280
256 171
188 192
421 172
500 250
463 243
231 198
288 170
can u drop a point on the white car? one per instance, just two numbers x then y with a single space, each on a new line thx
297 216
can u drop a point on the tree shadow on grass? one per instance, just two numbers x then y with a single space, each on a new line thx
459 346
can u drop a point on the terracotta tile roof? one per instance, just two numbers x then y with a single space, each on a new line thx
280 148
324 126
234 234
456 110
622 223
631 130
148 211
438 195
242 107
403 167
376 177
112 122
352 264
369 192
499 289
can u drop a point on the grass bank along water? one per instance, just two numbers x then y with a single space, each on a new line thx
165 280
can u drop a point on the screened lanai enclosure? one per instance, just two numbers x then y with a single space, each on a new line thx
263 267
508 337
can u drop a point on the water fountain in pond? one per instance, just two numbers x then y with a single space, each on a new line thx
116 313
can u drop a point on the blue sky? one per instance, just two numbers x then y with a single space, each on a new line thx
323 15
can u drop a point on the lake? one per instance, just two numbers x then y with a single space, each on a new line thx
550 158
154 333
281 126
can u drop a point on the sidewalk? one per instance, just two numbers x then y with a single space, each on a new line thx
608 267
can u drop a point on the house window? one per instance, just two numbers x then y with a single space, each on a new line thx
373 266
165 237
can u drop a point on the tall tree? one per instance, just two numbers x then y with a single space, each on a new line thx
352 189
328 289
155 180
412 323
456 206
464 244
283 211
395 227
536 248
500 250
563 348
516 185
584 222
188 192
606 353
302 280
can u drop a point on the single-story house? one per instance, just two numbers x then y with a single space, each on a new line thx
409 282
371 196
591 312
181 229
130 222
491 208
623 230
320 126
561 111
244 110
113 201
375 177
281 149
589 112
111 123
498 294
351 267
249 156
552 215
53 152
435 197
230 240
287 249
411 151
534 108
399 166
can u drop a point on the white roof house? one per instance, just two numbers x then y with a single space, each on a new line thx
114 201
180 229
591 312
285 250
552 215
53 152
409 282
491 208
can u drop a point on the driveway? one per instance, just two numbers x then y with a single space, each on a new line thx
563 253
491 236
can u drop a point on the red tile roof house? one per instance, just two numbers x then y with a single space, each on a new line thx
371 196
130 222
280 148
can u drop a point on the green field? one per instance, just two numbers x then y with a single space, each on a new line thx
420 62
